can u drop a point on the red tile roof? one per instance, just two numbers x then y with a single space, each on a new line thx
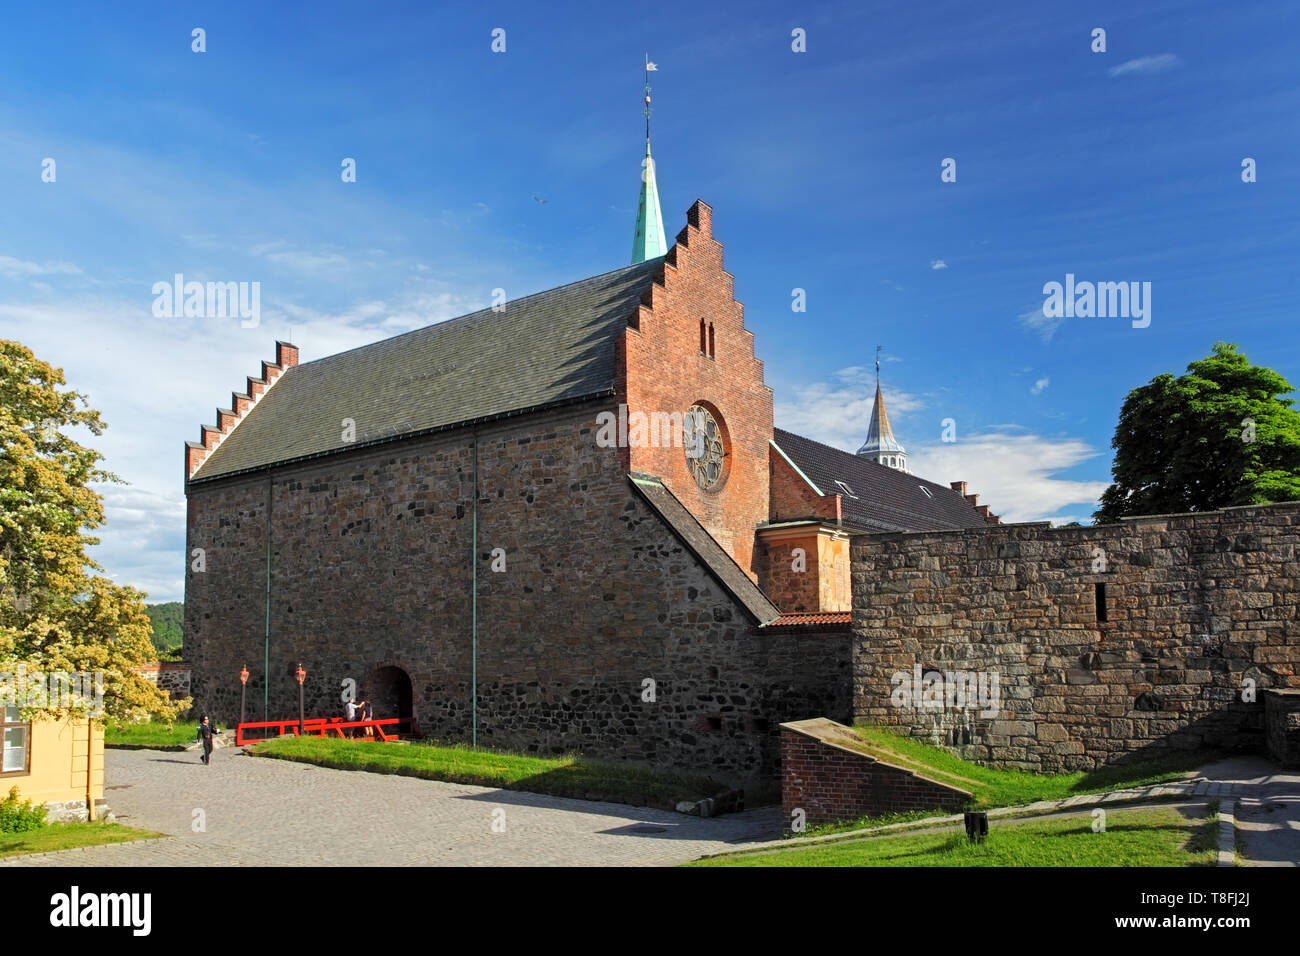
813 618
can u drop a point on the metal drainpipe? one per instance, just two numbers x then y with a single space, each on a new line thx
473 692
266 661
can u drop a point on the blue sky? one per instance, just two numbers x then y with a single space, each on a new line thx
823 169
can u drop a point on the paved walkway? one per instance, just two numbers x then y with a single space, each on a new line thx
263 812
1268 812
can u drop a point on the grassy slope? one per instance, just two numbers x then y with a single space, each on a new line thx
993 787
1151 837
149 734
66 836
561 776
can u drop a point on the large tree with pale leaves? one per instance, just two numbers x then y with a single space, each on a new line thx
1222 434
56 613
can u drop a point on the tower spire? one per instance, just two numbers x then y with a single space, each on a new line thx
649 242
881 446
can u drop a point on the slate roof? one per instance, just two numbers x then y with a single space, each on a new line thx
546 349
886 499
716 561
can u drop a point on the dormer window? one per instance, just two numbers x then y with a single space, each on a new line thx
845 488
925 491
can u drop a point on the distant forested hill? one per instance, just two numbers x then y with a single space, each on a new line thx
167 620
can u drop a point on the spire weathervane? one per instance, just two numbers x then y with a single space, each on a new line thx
648 67
649 241
881 446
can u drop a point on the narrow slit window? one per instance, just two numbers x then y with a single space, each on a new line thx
712 353
1099 601
703 349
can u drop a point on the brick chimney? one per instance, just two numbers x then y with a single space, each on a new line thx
959 487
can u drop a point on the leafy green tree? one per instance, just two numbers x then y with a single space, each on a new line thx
168 620
56 614
1220 435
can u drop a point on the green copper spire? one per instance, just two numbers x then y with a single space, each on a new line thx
649 242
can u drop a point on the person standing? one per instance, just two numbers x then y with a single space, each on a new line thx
350 715
206 735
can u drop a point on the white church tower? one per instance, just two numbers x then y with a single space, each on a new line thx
881 446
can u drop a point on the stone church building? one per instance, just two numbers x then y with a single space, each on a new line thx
567 523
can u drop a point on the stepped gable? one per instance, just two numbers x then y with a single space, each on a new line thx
241 403
881 498
546 349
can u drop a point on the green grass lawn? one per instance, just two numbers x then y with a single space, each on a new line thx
1151 837
150 734
993 787
568 776
67 836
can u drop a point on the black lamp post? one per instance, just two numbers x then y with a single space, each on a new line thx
302 676
243 691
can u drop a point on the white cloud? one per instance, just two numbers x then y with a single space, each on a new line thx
839 414
308 261
157 380
143 540
1013 474
938 264
18 269
1045 325
1156 63
1039 385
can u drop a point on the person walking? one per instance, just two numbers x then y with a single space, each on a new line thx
206 735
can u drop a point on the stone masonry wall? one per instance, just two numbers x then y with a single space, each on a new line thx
1282 726
1199 609
171 676
370 566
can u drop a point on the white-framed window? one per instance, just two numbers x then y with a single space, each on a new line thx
925 491
15 743
845 488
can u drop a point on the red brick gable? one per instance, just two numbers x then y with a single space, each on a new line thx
665 364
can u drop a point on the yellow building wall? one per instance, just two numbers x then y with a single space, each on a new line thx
57 772
833 566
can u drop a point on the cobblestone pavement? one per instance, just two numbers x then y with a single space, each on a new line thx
262 812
